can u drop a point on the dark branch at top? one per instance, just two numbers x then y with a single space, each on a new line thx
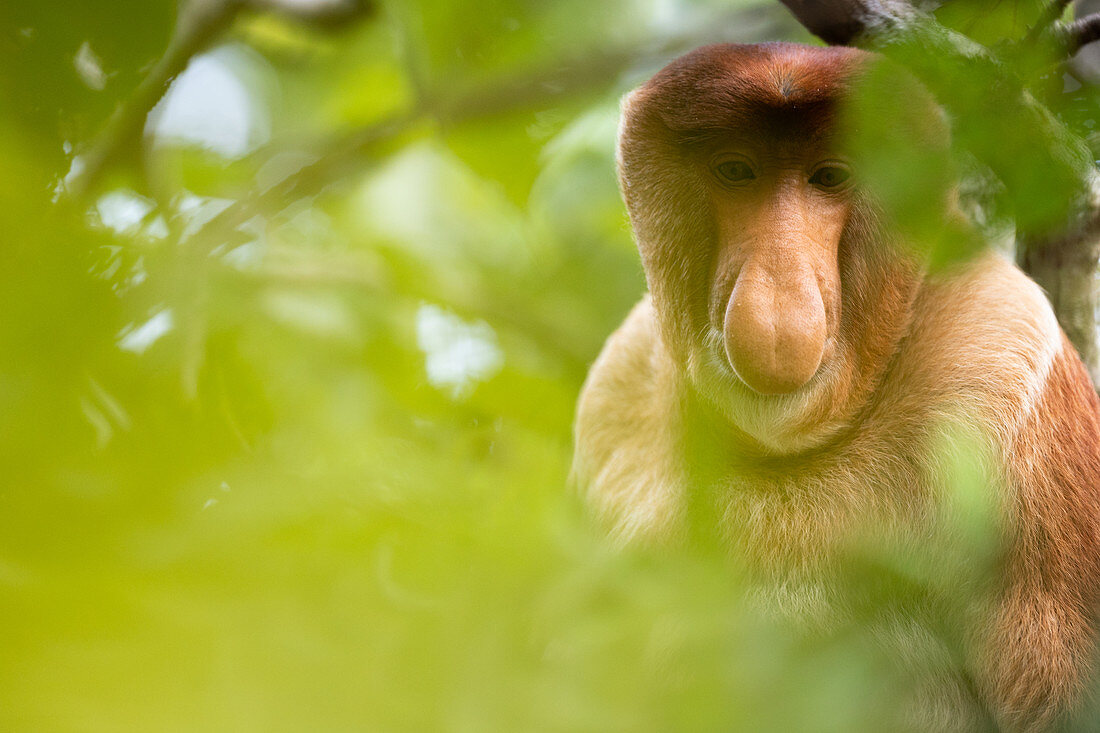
844 22
1082 32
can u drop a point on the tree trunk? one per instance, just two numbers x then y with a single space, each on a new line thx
1066 268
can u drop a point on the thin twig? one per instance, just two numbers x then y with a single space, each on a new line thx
320 13
338 159
199 24
200 21
345 155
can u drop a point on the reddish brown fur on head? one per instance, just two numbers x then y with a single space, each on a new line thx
735 88
757 248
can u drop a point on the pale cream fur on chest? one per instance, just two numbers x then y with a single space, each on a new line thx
979 348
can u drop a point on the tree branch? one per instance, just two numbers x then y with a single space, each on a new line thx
844 22
1082 32
345 154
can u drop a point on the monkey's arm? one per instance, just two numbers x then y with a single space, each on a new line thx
1041 646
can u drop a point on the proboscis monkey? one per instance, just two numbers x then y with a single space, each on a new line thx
800 374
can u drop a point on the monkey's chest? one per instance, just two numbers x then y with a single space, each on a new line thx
810 517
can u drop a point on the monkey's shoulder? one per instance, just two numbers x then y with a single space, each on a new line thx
983 322
626 451
985 343
630 386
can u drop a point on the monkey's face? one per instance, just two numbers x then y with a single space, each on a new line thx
779 209
771 349
775 284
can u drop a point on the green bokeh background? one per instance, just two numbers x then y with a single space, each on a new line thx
311 474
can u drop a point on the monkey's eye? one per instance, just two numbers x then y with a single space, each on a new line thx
830 176
734 171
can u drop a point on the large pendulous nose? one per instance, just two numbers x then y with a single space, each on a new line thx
775 327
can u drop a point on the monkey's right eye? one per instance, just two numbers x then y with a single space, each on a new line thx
830 176
734 171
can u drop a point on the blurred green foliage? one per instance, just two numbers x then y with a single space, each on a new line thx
309 472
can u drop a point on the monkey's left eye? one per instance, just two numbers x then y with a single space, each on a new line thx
734 171
830 176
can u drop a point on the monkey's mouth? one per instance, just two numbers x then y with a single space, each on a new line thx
718 357
780 424
775 362
772 394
